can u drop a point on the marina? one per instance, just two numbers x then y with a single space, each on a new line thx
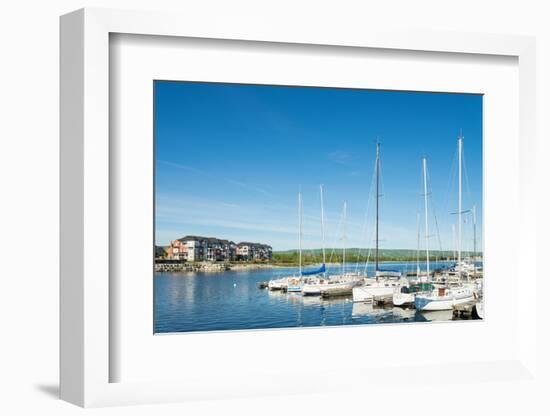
455 287
232 300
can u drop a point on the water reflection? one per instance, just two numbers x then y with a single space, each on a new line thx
432 316
231 300
406 314
382 312
361 309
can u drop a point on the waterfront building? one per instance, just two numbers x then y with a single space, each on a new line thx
242 251
253 251
197 248
177 250
218 250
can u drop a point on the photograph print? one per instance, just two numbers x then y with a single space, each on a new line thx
289 206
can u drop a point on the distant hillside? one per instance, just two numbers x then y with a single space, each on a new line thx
358 254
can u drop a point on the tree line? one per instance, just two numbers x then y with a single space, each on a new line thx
291 257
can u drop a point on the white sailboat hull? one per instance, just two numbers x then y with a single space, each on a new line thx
440 303
360 294
339 287
378 290
278 284
332 285
400 299
275 285
311 290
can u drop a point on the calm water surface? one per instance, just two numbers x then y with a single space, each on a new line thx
231 300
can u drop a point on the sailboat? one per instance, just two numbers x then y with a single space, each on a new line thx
294 283
311 286
384 283
407 294
291 282
335 285
454 292
340 285
306 277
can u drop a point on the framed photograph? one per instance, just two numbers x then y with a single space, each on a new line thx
306 203
241 242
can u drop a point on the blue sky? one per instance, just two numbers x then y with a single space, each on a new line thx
231 159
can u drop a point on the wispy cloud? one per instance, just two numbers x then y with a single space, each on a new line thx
180 166
186 213
248 187
273 224
234 182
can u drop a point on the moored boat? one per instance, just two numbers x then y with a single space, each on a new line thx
443 298
304 278
453 292
406 295
383 284
336 285
381 287
278 284
340 285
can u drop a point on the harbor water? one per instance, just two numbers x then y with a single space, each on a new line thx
231 300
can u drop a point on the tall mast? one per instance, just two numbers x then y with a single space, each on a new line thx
377 202
417 244
459 242
300 232
344 240
426 231
475 237
322 222
454 241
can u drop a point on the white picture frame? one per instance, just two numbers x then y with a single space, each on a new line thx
86 301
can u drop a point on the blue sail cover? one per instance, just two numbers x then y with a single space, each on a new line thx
322 269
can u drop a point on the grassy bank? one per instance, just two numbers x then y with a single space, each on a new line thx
354 255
